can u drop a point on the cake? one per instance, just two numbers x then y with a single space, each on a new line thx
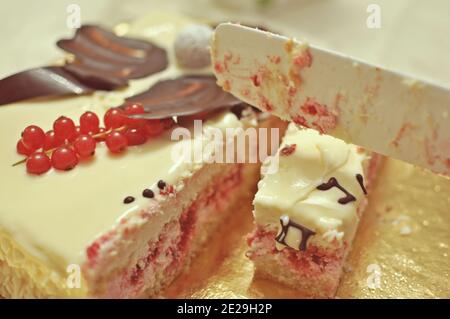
307 212
126 221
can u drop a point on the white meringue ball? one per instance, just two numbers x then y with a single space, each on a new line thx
192 46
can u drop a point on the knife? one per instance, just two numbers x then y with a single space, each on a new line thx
385 111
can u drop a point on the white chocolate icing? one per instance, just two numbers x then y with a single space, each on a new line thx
292 191
55 216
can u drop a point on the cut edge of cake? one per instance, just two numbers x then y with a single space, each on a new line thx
311 258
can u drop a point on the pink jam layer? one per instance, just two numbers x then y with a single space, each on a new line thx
167 256
314 261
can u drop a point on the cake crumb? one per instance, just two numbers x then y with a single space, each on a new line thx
347 269
405 230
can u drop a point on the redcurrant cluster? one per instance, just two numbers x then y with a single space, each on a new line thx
67 144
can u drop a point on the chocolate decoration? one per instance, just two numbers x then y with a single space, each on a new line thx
101 53
285 224
360 180
186 95
103 61
332 182
94 80
128 200
161 184
148 193
46 81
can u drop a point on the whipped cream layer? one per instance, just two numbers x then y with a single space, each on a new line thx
306 161
55 216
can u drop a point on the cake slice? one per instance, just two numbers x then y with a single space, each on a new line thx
307 212
121 223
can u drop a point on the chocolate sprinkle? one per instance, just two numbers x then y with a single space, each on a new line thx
332 182
285 224
128 200
183 96
148 193
161 184
360 180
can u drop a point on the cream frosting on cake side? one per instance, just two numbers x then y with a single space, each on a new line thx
302 191
54 217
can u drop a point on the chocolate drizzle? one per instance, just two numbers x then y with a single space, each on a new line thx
332 182
285 224
102 61
360 180
186 95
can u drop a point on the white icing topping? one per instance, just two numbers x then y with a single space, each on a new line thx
292 191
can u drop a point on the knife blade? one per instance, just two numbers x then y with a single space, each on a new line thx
385 111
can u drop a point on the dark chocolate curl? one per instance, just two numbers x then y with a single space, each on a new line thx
40 82
186 95
109 56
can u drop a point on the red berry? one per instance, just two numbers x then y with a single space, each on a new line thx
136 136
89 123
64 128
51 141
22 148
154 127
114 118
64 158
38 163
116 142
134 108
33 137
168 123
85 145
75 136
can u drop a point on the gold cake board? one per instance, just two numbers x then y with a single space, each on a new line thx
401 249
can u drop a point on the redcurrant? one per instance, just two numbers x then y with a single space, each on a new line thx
114 118
89 123
136 136
84 145
116 142
33 137
22 148
154 127
134 108
51 141
38 163
64 158
64 128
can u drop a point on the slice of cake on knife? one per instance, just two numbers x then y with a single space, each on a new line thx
308 211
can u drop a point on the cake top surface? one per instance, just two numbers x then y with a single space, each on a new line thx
55 216
316 186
